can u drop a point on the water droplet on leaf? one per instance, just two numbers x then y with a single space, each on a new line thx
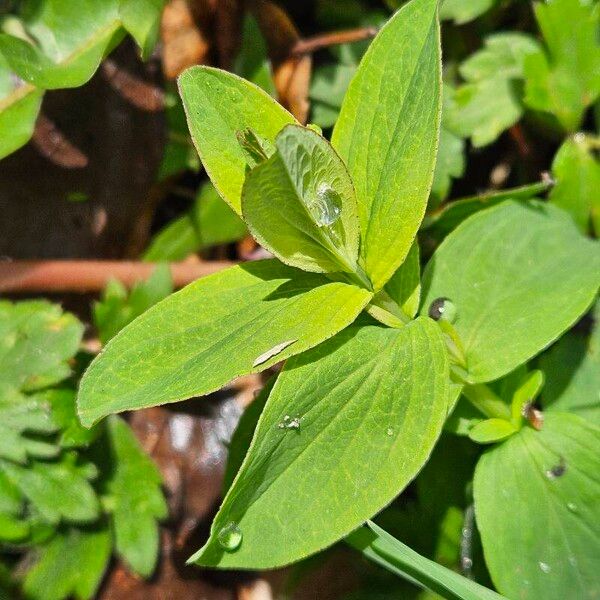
274 351
442 308
545 567
572 506
230 537
326 207
390 431
289 423
557 470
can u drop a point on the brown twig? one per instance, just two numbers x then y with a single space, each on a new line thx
80 276
335 38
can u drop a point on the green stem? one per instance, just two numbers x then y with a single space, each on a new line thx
486 401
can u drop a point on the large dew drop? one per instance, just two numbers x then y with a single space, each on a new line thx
230 537
326 208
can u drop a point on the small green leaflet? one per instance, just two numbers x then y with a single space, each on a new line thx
118 308
387 134
218 105
572 369
300 204
490 100
565 80
215 329
463 11
405 285
131 489
519 274
576 169
71 565
345 429
536 503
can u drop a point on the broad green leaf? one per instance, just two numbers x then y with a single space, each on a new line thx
345 429
536 502
572 370
450 164
59 490
300 204
439 223
208 223
490 100
141 18
241 320
71 38
405 285
463 11
71 565
380 547
491 430
131 486
387 134
218 106
577 173
519 274
117 307
565 80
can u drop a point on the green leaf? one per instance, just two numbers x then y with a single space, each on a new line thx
242 436
217 328
448 217
387 134
59 490
19 106
141 18
252 62
572 370
300 204
327 90
463 11
491 430
219 105
71 38
450 164
519 274
117 308
526 393
536 503
565 80
380 547
36 341
132 486
63 410
209 222
345 429
490 100
72 564
577 173
404 287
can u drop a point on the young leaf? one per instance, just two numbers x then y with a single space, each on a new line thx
387 134
536 503
490 100
519 274
131 484
572 370
566 80
218 105
463 11
117 308
405 285
213 330
300 204
491 430
577 173
71 565
450 164
380 547
345 429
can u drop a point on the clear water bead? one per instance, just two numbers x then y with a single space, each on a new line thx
442 308
230 537
327 205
